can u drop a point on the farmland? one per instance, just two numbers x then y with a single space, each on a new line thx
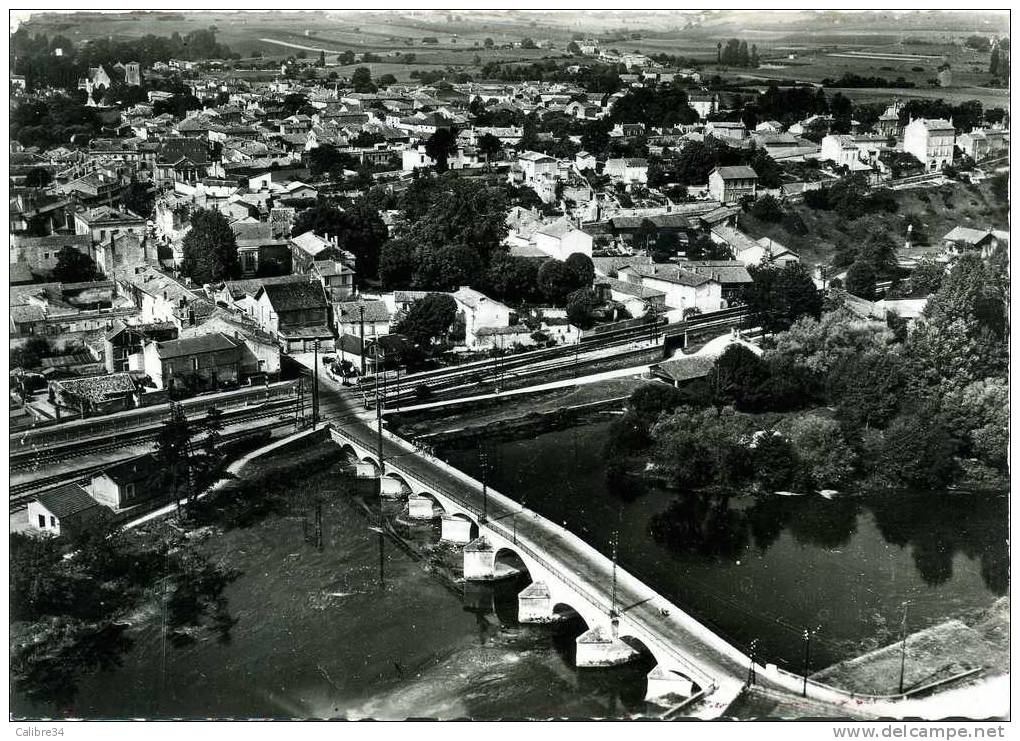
801 46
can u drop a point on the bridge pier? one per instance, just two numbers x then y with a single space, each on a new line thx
479 560
666 686
420 508
535 605
456 530
596 649
364 470
391 488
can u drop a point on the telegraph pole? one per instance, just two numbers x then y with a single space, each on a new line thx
397 356
613 614
485 485
750 669
361 312
378 405
903 646
315 387
807 658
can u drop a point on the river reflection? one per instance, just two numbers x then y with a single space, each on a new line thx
768 568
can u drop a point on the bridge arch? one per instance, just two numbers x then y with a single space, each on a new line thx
401 486
506 561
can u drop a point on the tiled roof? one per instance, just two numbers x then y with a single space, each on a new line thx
734 172
99 388
67 501
671 274
133 469
206 343
350 311
295 296
686 368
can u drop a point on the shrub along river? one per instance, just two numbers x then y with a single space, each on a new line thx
335 620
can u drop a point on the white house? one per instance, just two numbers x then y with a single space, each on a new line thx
66 508
478 311
415 158
931 140
536 166
683 289
843 151
561 239
730 184
628 169
704 104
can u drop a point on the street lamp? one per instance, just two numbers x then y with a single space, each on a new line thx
483 459
903 645
807 655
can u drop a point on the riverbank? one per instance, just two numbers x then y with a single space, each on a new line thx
967 650
516 415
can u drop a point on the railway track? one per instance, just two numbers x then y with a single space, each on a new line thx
473 373
21 494
41 455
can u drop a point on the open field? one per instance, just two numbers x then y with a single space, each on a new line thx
825 45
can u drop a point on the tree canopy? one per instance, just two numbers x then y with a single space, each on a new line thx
428 319
210 249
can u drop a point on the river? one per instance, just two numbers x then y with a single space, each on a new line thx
767 569
335 621
327 627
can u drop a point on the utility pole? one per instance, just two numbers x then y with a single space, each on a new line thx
361 312
378 407
750 669
807 658
903 645
484 460
315 387
397 356
613 614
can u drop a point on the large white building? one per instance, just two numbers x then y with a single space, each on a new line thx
561 239
931 140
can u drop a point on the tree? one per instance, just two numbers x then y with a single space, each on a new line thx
860 280
581 308
821 345
573 48
397 264
362 80
977 415
440 146
387 80
767 208
528 43
138 199
583 268
488 43
869 388
210 249
448 267
173 472
74 266
737 377
820 444
513 279
777 297
38 177
490 146
918 451
927 276
428 319
440 211
556 281
358 230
